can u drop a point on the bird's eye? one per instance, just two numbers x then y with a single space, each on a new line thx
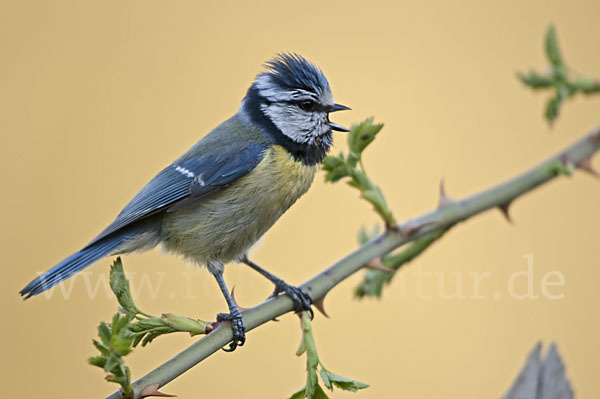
307 106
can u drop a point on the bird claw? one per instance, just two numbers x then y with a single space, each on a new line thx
302 301
237 327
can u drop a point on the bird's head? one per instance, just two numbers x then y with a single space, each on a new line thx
292 97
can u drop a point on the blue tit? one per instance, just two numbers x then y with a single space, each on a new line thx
215 202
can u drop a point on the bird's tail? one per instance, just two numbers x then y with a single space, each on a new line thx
74 264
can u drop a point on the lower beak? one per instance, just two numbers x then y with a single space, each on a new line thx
338 128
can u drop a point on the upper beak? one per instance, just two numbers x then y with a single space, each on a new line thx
338 107
335 108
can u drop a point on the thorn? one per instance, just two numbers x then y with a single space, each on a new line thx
396 229
596 137
319 304
444 199
411 228
240 308
376 264
504 208
586 166
211 326
152 390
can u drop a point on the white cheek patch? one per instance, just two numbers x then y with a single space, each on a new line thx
323 128
297 125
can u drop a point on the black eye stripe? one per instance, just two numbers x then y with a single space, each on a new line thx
317 107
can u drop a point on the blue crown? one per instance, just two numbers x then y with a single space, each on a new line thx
292 71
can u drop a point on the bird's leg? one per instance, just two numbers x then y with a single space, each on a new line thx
234 315
302 301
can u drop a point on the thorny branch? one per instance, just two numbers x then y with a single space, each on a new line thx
576 156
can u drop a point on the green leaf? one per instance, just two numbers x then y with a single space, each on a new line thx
587 86
352 159
123 348
535 80
552 108
156 333
325 378
361 135
312 381
331 162
137 339
149 338
552 50
118 379
336 168
350 386
112 364
346 384
113 324
559 77
101 347
145 330
319 393
120 287
312 389
312 357
117 338
98 361
299 394
104 333
301 349
122 323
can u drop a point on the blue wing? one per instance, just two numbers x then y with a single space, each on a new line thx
188 180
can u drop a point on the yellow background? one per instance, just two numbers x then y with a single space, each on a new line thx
97 96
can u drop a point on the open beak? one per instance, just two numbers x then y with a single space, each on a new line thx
335 108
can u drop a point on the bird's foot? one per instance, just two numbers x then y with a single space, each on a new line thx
237 327
301 299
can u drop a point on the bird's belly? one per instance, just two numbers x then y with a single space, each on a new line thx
223 226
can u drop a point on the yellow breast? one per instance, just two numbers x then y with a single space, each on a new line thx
225 225
290 178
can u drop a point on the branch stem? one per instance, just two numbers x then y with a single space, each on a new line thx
318 286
